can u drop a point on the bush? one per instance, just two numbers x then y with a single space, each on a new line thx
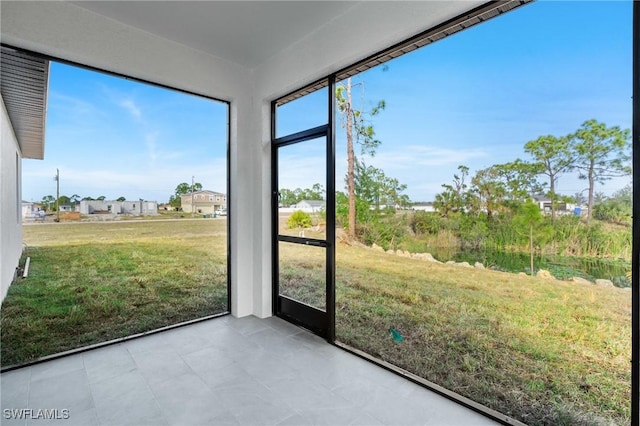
299 219
425 223
613 211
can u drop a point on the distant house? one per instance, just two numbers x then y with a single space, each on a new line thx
203 202
135 208
165 207
28 209
424 207
562 208
310 206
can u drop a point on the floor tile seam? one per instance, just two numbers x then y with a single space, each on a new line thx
154 397
93 399
289 331
105 349
121 367
125 393
325 388
273 391
28 396
55 375
29 388
89 391
195 373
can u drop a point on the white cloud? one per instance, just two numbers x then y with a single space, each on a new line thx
423 155
132 108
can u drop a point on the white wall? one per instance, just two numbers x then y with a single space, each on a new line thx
10 203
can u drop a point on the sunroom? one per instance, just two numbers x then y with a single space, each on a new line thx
299 298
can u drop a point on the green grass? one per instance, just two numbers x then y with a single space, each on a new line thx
90 283
543 352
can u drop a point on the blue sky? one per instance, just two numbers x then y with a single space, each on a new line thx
474 98
115 137
477 97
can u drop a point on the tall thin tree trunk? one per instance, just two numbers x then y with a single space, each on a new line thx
591 186
552 191
531 246
350 166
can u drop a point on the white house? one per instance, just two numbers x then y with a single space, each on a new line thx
424 207
134 208
309 206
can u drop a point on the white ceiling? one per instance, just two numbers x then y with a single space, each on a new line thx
243 32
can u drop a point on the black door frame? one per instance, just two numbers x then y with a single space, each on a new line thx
321 323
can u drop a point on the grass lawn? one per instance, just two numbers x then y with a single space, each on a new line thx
545 352
93 282
541 351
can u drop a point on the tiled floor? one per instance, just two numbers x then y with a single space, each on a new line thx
225 371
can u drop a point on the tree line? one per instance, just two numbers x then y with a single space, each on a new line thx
597 152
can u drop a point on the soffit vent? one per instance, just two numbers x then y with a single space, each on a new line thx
24 79
474 17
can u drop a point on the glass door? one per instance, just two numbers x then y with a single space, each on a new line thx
303 254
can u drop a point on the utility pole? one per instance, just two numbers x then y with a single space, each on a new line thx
193 208
57 178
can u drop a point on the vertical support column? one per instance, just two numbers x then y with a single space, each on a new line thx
331 214
635 260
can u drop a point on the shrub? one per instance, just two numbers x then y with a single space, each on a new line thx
299 219
425 223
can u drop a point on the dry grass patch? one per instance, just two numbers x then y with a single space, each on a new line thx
541 351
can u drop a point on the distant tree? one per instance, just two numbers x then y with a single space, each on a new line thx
75 198
624 194
489 189
378 189
602 153
356 123
175 201
101 198
617 208
555 157
287 197
599 197
519 179
121 199
64 200
579 198
87 199
316 192
528 216
455 197
183 189
48 203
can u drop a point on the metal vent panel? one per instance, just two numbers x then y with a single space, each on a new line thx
24 80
